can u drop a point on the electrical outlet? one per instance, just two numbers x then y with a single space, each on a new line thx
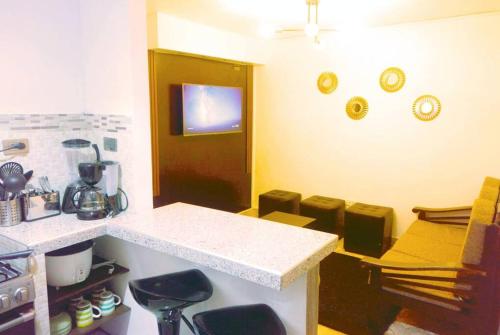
110 144
16 152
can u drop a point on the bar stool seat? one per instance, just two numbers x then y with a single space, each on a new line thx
167 295
242 320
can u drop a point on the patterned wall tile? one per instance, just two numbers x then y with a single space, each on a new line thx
63 122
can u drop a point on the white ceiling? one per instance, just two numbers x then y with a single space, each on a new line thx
246 16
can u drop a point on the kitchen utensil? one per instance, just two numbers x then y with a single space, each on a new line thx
90 204
110 178
90 173
95 294
28 175
45 184
107 301
60 324
77 151
68 206
14 183
69 265
40 206
10 168
85 315
97 153
109 184
10 212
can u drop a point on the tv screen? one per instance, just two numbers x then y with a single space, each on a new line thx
211 109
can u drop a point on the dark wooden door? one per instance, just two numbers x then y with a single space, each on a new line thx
207 170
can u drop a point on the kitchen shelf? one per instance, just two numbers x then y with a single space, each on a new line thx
119 311
97 277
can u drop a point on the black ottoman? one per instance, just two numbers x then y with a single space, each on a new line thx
279 200
368 229
328 212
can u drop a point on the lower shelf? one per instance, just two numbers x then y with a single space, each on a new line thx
119 311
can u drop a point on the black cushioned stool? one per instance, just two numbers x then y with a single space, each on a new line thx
167 295
279 200
328 212
368 229
239 320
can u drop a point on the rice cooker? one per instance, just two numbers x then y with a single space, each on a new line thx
70 265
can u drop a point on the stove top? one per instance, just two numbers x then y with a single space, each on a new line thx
16 279
8 272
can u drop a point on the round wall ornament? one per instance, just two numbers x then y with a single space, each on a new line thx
392 79
327 82
357 108
426 107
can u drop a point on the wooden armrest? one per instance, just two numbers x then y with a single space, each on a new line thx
451 215
441 210
371 262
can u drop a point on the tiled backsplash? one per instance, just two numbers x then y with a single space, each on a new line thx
63 122
45 133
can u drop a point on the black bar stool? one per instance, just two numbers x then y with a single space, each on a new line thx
167 295
241 320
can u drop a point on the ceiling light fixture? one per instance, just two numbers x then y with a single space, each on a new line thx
312 28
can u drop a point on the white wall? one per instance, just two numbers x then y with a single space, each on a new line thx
74 57
306 143
178 34
114 40
40 62
106 57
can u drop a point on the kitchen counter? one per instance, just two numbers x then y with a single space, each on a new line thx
248 260
267 253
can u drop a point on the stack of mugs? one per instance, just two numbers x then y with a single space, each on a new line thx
102 303
105 300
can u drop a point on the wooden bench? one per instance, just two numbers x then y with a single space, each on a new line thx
446 264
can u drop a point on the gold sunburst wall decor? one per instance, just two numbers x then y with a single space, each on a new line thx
392 79
327 82
426 107
357 108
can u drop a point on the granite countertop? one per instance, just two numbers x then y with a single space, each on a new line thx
267 253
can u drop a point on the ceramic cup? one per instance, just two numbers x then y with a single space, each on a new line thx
72 304
84 314
107 301
96 293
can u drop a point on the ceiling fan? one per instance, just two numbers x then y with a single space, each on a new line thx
312 28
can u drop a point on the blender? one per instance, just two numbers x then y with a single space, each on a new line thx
77 151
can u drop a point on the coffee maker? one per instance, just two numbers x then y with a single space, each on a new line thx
77 151
89 201
109 184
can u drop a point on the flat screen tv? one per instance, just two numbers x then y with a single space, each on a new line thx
208 109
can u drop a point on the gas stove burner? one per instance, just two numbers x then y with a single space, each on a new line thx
7 272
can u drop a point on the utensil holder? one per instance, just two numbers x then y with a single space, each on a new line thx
42 206
10 212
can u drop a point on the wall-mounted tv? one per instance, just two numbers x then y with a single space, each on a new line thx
208 109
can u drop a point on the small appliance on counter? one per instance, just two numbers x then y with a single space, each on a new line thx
89 200
70 265
40 205
109 184
17 291
96 193
77 151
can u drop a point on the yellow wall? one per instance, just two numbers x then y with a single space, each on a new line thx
306 143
